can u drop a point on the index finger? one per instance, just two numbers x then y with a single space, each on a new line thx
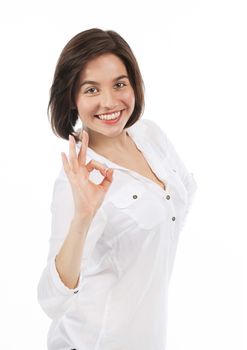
83 150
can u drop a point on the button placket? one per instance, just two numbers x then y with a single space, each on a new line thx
168 197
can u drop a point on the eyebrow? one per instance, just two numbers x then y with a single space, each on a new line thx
96 83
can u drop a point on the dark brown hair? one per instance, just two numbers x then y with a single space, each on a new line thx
78 51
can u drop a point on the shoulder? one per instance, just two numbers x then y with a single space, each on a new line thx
149 132
149 128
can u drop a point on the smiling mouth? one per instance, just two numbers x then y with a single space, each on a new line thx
109 116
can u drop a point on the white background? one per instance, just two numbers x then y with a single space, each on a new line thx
193 58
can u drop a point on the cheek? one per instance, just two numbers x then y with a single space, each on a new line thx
129 97
84 105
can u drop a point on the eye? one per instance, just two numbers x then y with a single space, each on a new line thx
88 90
120 84
91 90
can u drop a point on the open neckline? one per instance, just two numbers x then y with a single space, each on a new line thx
136 174
141 148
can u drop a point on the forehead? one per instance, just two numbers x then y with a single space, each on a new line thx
106 65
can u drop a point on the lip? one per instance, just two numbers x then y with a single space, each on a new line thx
120 110
113 121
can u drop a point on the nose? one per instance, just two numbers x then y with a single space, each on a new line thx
108 100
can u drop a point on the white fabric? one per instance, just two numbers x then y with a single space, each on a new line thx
121 299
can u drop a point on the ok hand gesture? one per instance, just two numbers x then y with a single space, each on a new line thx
87 195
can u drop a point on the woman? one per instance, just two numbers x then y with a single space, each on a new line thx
118 205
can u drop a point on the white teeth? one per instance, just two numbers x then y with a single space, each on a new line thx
109 116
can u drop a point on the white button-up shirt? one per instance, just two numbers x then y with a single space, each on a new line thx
120 302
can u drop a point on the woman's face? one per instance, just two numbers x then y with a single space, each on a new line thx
104 88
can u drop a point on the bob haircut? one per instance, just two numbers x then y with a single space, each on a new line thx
83 47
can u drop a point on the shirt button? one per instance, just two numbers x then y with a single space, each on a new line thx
173 218
168 197
134 196
76 291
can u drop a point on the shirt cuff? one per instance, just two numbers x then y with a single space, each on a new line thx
58 283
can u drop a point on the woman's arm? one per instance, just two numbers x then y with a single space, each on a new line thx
78 221
68 259
71 243
180 170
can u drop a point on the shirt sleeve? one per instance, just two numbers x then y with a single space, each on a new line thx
53 296
186 177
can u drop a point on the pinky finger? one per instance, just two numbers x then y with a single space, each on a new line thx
65 162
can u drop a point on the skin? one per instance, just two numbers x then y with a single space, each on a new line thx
88 197
106 96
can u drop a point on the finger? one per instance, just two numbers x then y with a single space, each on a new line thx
66 165
93 164
72 154
83 149
107 181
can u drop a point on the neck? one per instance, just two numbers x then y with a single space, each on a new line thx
106 145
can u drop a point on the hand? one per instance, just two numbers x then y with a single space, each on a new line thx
87 195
